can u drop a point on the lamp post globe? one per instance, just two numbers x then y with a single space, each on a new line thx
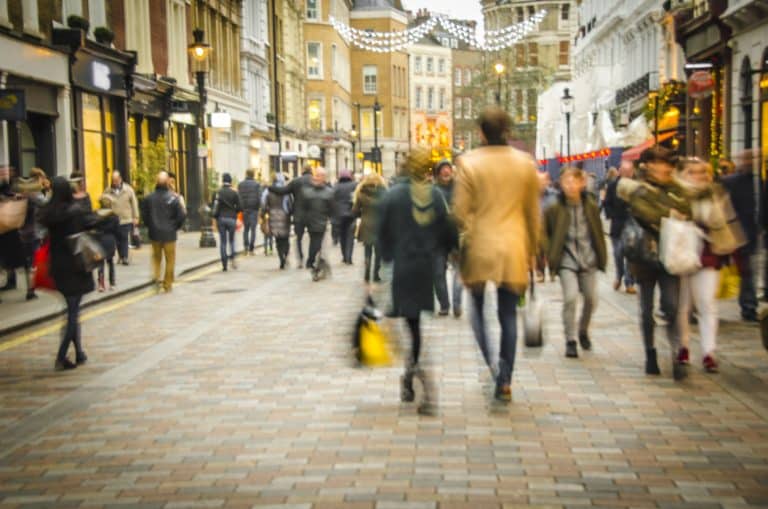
499 68
566 106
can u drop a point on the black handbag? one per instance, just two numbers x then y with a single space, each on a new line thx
638 244
86 250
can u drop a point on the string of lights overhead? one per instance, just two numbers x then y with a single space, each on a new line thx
385 42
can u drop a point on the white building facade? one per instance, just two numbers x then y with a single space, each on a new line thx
430 70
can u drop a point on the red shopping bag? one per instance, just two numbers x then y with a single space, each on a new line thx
41 264
239 222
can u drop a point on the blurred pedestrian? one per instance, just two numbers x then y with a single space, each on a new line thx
79 192
250 200
712 212
11 246
548 196
64 216
276 213
343 192
365 206
657 196
617 211
413 228
444 182
496 206
318 208
32 232
740 184
125 205
576 251
296 189
164 216
226 206
109 232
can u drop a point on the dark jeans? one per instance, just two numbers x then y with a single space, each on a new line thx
622 267
283 247
111 267
747 290
226 227
269 241
372 252
299 229
123 239
347 237
72 329
414 325
250 222
669 288
441 286
507 314
315 243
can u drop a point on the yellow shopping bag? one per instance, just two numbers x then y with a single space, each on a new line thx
375 348
730 281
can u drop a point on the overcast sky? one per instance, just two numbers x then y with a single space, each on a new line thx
461 9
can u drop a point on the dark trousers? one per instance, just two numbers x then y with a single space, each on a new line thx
226 227
72 328
111 268
299 229
123 238
347 238
747 290
507 315
372 252
414 326
622 267
315 243
269 241
283 247
669 288
250 222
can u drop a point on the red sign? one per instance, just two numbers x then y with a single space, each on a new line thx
701 84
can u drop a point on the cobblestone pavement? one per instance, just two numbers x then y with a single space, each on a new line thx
236 391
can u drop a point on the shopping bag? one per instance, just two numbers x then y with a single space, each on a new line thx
533 330
371 344
13 213
680 245
41 264
730 282
87 251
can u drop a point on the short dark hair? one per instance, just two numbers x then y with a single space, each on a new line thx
171 175
76 175
658 154
495 125
250 173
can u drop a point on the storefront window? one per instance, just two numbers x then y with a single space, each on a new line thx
98 143
314 112
177 145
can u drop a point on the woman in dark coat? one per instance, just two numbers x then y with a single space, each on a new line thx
413 228
276 211
63 216
364 204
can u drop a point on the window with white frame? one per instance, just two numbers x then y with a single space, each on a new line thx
97 14
314 60
313 9
71 8
467 107
335 74
370 79
441 66
467 77
457 77
430 99
430 64
441 101
417 65
457 107
417 98
315 114
176 26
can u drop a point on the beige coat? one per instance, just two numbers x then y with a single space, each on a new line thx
496 207
124 203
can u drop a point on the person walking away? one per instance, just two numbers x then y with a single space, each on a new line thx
164 216
296 189
617 211
713 212
250 199
739 182
11 246
109 232
657 196
343 192
413 227
126 207
496 207
226 205
443 178
65 216
365 206
576 251
318 208
276 212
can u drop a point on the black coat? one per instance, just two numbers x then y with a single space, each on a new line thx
615 208
250 194
295 188
108 231
163 215
279 218
69 279
317 207
741 188
226 203
342 197
412 247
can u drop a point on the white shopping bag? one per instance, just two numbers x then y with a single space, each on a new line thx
680 245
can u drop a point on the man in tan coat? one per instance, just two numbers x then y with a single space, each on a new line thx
126 208
496 207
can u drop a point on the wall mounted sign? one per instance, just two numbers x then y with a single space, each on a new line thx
12 105
701 84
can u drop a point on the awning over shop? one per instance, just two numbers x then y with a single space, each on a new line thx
633 153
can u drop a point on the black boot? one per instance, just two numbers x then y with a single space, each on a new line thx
428 405
679 370
407 394
651 363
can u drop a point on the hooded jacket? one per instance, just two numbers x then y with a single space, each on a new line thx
365 203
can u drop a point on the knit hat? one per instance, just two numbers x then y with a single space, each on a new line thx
418 164
226 178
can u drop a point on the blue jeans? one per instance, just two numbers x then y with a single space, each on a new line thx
250 222
622 269
227 227
72 329
507 314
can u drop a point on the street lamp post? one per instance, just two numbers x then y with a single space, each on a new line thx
376 154
499 68
566 106
200 52
353 135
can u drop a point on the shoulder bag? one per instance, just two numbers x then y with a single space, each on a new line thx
87 251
